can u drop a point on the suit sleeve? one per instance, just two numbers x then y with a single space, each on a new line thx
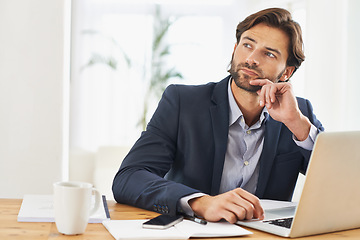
140 180
307 109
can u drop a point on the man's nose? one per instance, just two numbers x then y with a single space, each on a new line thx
253 59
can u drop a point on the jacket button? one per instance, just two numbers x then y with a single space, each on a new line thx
155 207
163 209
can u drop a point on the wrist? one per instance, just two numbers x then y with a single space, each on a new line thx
196 204
184 205
300 127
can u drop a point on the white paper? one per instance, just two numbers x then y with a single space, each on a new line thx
132 229
211 229
40 208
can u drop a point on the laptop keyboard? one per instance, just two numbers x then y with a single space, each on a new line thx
283 222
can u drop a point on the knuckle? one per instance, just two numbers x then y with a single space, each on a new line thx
239 191
241 214
249 208
231 218
232 194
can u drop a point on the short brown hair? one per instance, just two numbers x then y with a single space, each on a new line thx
278 18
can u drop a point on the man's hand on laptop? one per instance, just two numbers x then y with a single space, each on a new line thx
232 206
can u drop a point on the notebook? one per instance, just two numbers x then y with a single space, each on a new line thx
40 208
330 200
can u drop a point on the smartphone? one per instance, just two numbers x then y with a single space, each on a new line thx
162 222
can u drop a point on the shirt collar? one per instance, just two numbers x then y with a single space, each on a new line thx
235 112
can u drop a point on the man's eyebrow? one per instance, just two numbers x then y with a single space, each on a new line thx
268 48
250 39
273 50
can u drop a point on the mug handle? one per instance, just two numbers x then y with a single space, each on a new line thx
97 201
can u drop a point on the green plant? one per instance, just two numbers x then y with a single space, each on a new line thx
159 73
109 60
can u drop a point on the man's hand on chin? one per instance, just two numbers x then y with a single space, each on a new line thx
282 106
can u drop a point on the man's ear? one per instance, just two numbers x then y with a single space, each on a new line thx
287 73
232 56
234 49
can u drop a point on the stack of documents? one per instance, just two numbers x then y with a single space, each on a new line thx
40 208
132 229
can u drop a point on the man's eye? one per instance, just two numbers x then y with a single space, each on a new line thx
269 54
247 45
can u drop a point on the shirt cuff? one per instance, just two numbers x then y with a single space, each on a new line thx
184 203
308 143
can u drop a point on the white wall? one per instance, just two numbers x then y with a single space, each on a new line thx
332 52
33 83
353 63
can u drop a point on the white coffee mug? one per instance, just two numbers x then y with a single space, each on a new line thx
72 203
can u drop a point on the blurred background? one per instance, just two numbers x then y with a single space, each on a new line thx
79 79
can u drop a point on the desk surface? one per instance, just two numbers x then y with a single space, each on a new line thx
11 229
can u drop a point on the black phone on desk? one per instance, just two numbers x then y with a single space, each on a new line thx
162 222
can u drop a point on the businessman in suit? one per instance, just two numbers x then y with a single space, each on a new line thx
213 150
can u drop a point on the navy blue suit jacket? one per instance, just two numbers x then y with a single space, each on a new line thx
183 151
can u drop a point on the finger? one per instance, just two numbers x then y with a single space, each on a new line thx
267 96
261 94
241 207
260 82
273 92
240 212
230 216
248 208
255 201
258 210
264 99
234 212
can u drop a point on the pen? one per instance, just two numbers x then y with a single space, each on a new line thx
195 219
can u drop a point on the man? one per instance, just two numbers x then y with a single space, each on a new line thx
214 150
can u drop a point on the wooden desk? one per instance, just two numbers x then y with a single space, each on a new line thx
11 229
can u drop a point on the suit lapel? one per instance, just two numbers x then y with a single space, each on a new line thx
220 122
271 140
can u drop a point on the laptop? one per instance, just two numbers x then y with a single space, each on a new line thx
330 199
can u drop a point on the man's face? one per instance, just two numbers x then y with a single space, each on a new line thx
260 54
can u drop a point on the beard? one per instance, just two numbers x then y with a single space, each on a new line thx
242 80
